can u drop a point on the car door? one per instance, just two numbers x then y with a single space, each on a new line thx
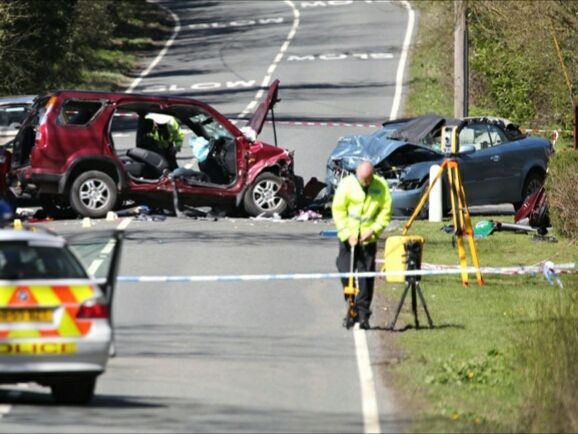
482 167
214 177
512 158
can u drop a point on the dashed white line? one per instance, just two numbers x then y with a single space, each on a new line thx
157 59
4 410
271 69
106 250
402 61
124 224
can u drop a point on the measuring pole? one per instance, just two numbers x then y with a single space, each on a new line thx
460 59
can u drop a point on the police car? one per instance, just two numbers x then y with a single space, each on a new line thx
55 325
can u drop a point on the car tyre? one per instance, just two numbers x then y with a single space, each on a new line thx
93 194
262 197
533 183
78 391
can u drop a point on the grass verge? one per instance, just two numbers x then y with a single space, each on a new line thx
502 357
144 29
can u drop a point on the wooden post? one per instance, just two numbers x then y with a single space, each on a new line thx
460 59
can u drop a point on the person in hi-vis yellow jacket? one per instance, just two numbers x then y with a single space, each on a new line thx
361 210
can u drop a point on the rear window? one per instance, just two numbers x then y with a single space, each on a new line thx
24 261
12 116
76 112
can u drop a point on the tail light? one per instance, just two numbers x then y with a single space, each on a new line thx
42 130
93 309
41 136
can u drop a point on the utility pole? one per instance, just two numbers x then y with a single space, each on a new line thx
460 59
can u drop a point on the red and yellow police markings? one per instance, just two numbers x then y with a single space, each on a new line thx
37 348
18 298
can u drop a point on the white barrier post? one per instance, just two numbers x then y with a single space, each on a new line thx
435 196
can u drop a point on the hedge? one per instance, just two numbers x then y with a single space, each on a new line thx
562 191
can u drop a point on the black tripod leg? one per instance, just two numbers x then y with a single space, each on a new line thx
414 303
391 325
422 298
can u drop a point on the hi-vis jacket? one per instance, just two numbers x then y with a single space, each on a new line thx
171 135
355 212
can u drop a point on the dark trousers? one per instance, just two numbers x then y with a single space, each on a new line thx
364 261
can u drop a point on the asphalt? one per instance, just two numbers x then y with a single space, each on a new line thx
255 357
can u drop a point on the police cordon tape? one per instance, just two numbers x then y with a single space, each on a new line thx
319 276
566 268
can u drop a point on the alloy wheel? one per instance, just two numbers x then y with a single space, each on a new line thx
94 194
265 195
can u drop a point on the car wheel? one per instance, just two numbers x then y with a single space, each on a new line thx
533 183
93 194
78 391
263 196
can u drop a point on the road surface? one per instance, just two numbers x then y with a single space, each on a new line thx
256 357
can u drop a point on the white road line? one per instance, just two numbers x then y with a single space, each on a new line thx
124 224
4 410
271 69
402 61
368 396
157 59
106 250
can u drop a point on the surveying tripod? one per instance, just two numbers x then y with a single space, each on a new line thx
413 252
460 211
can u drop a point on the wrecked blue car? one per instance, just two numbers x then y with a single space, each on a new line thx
499 163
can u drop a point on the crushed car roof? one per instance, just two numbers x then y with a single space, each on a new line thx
416 129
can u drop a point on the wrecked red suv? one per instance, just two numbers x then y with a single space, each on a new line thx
86 150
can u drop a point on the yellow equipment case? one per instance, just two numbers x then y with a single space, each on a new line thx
395 257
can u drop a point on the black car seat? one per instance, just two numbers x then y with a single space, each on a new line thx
155 164
229 157
134 168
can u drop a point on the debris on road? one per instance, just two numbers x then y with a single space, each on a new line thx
550 274
304 216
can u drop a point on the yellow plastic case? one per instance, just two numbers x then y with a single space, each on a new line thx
394 256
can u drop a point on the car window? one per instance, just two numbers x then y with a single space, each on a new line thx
477 135
13 115
24 261
497 135
210 127
74 112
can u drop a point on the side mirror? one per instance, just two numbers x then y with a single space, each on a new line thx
467 149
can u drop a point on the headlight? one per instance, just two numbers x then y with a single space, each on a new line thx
408 184
337 172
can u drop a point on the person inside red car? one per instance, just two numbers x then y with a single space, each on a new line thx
166 136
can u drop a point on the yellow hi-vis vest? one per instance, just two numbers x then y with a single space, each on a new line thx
172 136
355 212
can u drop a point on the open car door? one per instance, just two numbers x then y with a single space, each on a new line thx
100 252
260 115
